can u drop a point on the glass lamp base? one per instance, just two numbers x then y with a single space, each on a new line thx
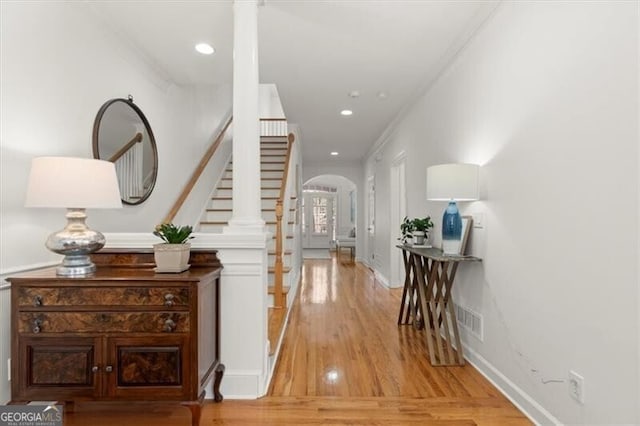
76 242
76 266
451 229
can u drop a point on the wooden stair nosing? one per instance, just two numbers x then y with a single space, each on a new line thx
285 252
285 269
272 290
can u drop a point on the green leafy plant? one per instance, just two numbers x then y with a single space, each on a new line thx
172 234
409 226
406 227
422 224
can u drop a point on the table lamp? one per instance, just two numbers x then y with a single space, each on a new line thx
75 184
452 182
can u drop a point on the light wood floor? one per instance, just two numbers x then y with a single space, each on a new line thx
344 361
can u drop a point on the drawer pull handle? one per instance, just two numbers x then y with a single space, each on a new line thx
168 299
169 325
37 301
37 324
95 369
108 368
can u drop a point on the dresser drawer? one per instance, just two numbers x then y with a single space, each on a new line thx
101 296
103 322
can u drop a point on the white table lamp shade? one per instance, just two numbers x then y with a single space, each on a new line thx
67 182
453 182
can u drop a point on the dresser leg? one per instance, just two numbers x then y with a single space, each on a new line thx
217 396
196 409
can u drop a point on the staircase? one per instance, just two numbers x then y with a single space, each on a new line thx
273 156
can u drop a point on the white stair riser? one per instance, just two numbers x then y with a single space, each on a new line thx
226 192
285 279
228 204
269 184
286 260
265 174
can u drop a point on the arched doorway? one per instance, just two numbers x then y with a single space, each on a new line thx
328 210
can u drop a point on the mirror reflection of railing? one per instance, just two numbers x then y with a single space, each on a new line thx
137 138
136 161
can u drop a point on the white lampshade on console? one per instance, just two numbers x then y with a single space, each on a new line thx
452 182
75 184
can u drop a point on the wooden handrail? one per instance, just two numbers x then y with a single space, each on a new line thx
196 173
137 138
278 292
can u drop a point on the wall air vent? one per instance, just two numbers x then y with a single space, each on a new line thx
469 320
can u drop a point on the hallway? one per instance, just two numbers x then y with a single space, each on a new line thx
343 361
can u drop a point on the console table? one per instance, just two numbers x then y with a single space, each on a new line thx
125 333
426 300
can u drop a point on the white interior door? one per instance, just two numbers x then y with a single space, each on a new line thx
371 218
398 212
318 221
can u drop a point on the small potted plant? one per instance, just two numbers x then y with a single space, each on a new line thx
415 230
421 228
172 255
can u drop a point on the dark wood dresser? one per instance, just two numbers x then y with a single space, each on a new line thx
125 333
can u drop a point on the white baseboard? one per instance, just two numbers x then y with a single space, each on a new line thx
240 384
525 403
383 280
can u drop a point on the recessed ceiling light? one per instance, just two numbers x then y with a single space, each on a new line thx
346 112
334 153
382 95
205 48
354 94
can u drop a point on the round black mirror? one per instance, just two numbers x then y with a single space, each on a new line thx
122 135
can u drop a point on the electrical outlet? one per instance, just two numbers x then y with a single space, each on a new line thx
576 386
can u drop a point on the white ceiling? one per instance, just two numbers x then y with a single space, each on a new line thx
316 52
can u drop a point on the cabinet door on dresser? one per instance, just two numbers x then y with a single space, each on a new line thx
148 366
51 367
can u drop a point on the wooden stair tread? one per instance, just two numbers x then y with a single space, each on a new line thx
285 252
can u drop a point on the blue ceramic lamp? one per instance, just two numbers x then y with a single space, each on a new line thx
452 182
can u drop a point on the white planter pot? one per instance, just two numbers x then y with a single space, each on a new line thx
171 257
418 238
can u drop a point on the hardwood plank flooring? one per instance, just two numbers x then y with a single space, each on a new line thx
344 361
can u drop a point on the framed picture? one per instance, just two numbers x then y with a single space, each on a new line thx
467 223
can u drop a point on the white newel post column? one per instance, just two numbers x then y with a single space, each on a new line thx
242 247
246 217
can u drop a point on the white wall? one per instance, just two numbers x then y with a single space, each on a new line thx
59 65
545 98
